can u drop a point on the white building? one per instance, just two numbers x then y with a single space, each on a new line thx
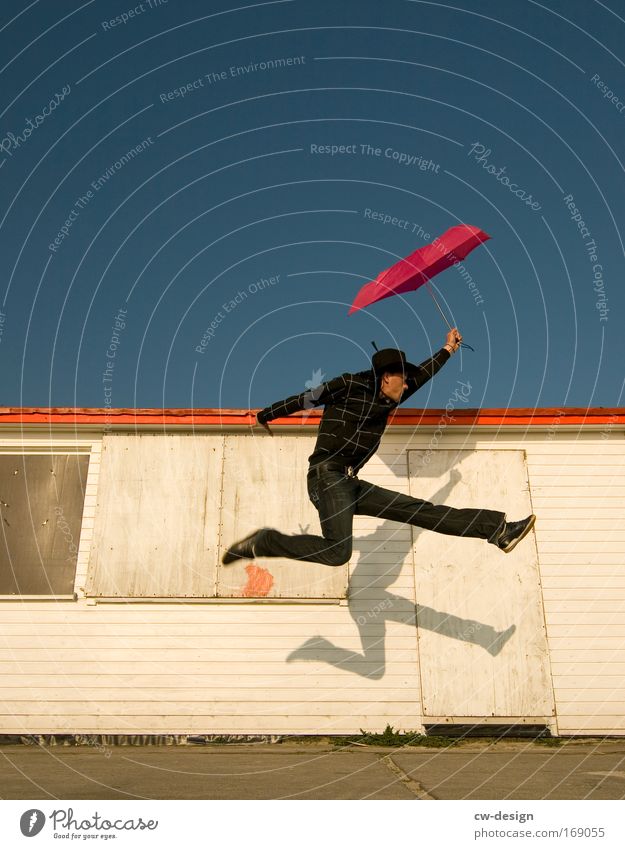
116 616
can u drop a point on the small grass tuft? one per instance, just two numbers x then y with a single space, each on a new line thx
543 740
392 738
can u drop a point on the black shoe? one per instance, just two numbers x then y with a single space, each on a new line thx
241 550
514 532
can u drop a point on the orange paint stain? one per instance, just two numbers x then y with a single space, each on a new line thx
259 581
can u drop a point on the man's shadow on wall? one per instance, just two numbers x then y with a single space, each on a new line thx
370 615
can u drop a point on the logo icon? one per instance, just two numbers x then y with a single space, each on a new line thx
32 821
314 388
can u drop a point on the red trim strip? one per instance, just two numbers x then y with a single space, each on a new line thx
540 417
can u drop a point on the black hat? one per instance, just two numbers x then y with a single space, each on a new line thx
392 360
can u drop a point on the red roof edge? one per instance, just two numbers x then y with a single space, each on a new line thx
498 417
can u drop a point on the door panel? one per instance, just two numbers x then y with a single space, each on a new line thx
480 621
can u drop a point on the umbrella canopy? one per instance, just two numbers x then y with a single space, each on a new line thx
415 270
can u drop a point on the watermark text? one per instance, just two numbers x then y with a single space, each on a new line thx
130 14
481 156
592 252
229 306
11 142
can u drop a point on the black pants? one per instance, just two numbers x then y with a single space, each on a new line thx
338 498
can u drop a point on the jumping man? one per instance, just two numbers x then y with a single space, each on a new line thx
356 410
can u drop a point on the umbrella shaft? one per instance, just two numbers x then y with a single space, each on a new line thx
462 344
427 285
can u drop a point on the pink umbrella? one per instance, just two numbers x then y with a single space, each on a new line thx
415 270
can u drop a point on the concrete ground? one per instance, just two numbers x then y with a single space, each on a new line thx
316 770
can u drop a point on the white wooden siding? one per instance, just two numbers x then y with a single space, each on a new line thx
223 667
200 668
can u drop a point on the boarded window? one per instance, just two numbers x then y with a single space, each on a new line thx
264 484
168 506
157 517
41 505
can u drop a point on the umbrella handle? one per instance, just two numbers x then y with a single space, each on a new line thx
464 345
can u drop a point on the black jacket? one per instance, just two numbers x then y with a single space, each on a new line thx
355 413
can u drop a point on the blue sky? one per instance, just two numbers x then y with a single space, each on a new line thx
193 193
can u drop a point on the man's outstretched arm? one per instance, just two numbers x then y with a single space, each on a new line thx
304 401
429 367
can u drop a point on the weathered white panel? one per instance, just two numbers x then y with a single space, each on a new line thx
157 515
468 667
264 485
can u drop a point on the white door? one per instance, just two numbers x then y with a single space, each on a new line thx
480 621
